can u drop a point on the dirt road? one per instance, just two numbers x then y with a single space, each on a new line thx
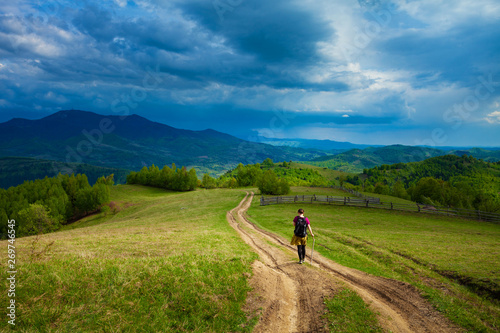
291 295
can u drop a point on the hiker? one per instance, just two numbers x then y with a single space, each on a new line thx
299 238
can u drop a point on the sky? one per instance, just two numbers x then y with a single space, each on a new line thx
365 71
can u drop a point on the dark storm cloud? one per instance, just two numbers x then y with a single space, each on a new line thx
231 64
464 53
274 31
279 39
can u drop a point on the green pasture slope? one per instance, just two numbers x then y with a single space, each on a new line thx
158 261
454 262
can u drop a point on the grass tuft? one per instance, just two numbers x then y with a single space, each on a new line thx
348 313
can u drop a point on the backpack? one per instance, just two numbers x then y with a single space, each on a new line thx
300 227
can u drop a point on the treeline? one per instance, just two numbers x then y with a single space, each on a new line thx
261 175
44 205
175 179
462 182
269 177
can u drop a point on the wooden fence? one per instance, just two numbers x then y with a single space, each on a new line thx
366 201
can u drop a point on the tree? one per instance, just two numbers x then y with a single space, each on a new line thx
428 190
36 219
109 180
381 189
193 180
398 190
269 183
232 183
248 175
268 163
207 181
132 178
84 201
342 179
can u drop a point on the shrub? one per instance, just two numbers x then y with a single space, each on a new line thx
269 183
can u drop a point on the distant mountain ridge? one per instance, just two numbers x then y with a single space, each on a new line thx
71 122
131 142
327 145
355 160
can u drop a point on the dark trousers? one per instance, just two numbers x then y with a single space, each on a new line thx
301 250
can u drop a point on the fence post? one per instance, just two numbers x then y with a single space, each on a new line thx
418 208
277 200
262 201
296 198
345 199
367 201
327 200
391 205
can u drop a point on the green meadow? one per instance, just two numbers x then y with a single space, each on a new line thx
161 261
454 262
157 261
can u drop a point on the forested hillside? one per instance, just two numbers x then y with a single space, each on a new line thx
355 160
463 182
44 205
131 142
488 155
15 170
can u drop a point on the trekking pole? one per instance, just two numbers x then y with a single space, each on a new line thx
312 251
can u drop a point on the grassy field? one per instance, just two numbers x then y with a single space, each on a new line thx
431 252
158 262
164 261
329 174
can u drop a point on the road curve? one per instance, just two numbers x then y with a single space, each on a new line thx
290 296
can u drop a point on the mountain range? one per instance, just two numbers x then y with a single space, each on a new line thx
331 146
75 137
355 160
131 142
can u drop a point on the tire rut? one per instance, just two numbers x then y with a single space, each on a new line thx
277 280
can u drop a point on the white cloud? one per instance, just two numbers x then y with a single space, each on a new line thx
443 15
493 118
121 3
